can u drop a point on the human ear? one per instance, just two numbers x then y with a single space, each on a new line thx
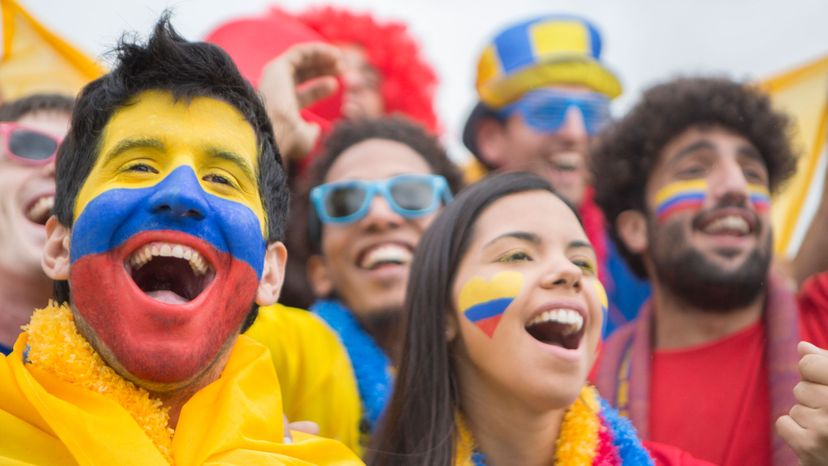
319 277
273 274
55 258
491 142
631 226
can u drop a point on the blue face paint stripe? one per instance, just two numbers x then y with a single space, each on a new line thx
487 309
114 216
692 196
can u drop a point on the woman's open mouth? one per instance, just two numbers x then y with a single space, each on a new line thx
558 327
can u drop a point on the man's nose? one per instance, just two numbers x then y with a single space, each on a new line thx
573 126
179 196
728 181
381 215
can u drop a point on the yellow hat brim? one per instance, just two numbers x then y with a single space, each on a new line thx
566 69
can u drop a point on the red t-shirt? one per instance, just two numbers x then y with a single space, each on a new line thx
726 382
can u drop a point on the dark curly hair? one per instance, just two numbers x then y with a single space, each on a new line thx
304 237
624 154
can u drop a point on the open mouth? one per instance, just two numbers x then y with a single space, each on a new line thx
730 223
558 327
170 273
387 254
40 209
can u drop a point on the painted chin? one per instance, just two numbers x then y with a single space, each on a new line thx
163 318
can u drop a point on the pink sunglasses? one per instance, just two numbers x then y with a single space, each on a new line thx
26 145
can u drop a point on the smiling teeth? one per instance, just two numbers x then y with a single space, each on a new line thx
731 223
390 253
42 207
571 318
146 253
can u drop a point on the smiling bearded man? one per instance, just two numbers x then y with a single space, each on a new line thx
170 209
711 361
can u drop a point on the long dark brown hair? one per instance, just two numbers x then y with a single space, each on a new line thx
418 425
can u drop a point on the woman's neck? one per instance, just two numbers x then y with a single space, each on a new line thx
506 430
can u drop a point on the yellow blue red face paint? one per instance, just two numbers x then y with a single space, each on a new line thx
680 196
484 301
603 300
689 195
173 190
759 197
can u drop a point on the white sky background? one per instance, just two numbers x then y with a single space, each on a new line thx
645 41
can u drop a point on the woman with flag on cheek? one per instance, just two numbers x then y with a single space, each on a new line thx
504 316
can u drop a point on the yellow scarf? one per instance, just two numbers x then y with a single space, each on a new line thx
65 406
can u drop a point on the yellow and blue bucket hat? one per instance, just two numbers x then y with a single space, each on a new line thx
539 52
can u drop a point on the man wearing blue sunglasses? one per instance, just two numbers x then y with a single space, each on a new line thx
373 191
544 91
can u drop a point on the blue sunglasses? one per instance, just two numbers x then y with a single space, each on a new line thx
545 109
408 195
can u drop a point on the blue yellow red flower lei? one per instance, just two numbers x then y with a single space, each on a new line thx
373 373
592 432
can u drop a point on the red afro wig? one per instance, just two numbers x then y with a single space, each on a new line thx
408 82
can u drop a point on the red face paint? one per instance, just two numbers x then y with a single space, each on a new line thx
151 339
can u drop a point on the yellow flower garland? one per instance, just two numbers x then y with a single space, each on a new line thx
56 346
577 441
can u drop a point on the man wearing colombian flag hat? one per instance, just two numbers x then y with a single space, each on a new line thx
544 91
169 214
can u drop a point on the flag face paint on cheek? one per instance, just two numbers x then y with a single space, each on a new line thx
678 197
759 197
603 300
483 301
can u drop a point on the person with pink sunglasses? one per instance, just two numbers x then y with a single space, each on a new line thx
31 130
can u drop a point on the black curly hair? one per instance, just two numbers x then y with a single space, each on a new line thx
624 154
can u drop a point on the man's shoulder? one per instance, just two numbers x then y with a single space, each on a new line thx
290 323
297 339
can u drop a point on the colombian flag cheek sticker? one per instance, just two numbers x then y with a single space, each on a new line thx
759 197
602 297
483 301
601 293
678 197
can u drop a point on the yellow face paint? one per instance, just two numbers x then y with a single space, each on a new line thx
680 196
147 140
483 301
602 296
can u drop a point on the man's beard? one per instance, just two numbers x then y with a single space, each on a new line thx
700 283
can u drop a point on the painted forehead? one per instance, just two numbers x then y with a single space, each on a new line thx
204 121
157 135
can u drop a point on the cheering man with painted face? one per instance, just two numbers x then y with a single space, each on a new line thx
170 208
